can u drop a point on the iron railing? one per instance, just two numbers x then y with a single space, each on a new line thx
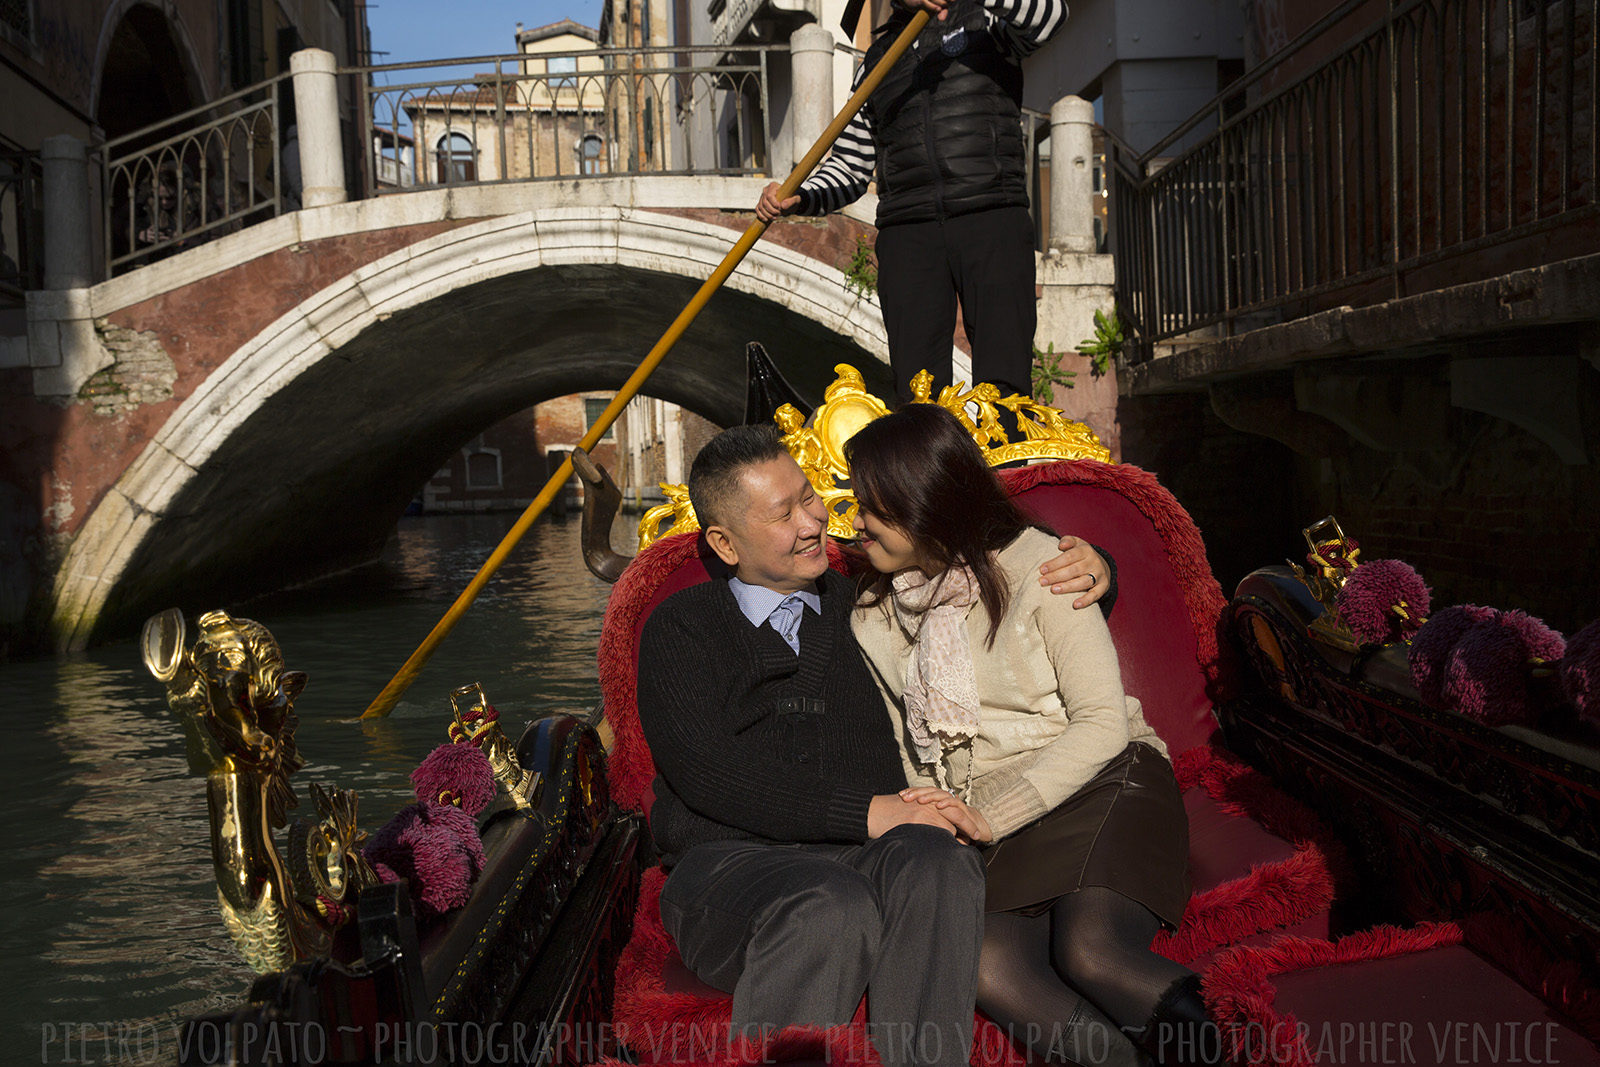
549 116
21 215
196 175
1358 160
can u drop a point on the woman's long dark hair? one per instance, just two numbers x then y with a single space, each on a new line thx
919 469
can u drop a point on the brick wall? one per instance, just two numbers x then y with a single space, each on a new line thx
1501 521
1493 518
1240 489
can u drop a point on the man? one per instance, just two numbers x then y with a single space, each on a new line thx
944 134
799 878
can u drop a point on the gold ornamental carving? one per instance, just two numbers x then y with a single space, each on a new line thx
847 406
236 701
1332 557
477 723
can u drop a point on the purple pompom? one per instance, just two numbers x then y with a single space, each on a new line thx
1540 642
1486 676
437 848
447 859
1430 648
456 775
1580 672
1368 600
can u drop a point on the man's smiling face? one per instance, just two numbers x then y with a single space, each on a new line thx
777 535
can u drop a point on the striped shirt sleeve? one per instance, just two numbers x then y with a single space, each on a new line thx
1026 24
842 178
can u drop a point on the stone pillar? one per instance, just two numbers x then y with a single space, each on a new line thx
316 105
811 100
68 216
1071 175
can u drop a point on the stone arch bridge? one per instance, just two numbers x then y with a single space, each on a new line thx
260 409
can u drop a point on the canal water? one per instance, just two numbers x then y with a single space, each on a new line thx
109 929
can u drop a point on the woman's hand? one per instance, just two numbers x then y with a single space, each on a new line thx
969 822
1079 569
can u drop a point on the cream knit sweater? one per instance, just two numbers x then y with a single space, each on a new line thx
1053 710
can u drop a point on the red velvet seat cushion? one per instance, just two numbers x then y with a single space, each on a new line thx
1384 996
1169 605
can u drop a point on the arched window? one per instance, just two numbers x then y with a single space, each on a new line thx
458 160
590 151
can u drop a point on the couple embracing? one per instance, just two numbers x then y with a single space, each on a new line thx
926 784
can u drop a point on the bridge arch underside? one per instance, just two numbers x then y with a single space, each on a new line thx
314 478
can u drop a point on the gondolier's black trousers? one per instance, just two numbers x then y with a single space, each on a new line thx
798 932
983 260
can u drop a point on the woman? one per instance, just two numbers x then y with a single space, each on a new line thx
1014 712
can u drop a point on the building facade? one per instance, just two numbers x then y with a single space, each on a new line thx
100 70
505 466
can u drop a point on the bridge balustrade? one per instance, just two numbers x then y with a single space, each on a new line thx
526 117
192 177
565 115
1390 147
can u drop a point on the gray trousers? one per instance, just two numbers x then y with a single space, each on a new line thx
797 932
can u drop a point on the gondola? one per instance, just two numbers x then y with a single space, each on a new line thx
1377 878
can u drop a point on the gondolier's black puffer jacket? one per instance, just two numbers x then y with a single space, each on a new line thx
947 120
752 742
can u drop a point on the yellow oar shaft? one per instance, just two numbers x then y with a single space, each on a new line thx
413 665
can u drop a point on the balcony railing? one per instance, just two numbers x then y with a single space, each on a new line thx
194 176
1380 152
554 116
21 211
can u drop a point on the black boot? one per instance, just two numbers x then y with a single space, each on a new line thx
1180 1033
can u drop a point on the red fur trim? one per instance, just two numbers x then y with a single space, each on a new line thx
1241 995
1271 896
630 767
1186 552
1240 789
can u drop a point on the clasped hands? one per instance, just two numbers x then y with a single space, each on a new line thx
929 807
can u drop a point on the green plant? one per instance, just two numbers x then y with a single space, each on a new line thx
861 274
1047 373
1105 345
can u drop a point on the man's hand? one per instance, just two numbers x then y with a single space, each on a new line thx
969 822
892 809
1079 569
769 207
936 8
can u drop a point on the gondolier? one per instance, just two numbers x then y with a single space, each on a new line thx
943 133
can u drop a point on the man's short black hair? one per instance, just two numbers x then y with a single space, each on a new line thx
714 475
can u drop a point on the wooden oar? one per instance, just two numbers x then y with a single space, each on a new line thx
408 672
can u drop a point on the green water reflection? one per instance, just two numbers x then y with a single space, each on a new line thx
111 932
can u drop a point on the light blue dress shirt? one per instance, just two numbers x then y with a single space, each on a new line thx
757 602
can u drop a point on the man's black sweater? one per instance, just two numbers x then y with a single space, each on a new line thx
752 742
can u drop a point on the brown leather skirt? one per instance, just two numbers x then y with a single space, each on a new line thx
1126 829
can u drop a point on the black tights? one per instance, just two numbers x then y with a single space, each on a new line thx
1070 982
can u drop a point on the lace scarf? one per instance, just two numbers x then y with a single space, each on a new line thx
941 693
